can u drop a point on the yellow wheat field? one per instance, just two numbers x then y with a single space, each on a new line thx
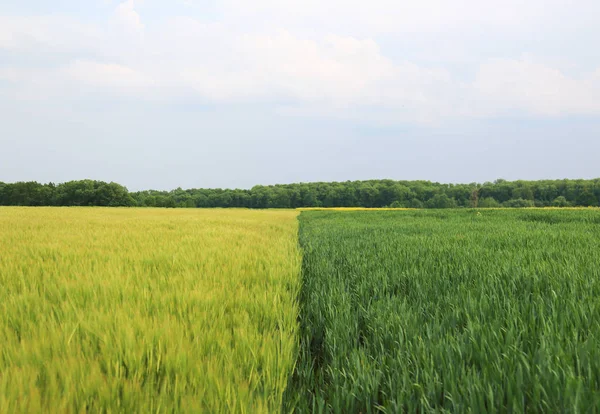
146 310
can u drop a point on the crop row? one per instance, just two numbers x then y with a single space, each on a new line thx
416 311
146 310
151 310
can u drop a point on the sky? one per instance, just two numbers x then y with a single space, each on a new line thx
233 93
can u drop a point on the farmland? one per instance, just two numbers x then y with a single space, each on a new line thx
413 311
129 310
348 311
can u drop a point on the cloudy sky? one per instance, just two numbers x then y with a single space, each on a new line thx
232 93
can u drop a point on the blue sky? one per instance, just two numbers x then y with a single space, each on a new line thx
230 93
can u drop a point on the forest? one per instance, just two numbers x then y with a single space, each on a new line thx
369 193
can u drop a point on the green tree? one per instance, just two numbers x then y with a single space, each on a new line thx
415 203
489 202
441 201
560 201
587 199
368 195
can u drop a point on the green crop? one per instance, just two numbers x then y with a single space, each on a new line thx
449 311
130 310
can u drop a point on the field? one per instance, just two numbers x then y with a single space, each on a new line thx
146 310
458 311
191 310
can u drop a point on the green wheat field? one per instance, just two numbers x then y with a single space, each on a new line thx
251 311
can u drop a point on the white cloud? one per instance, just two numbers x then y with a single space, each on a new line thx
128 17
9 74
401 16
333 72
111 75
526 85
30 33
316 73
80 79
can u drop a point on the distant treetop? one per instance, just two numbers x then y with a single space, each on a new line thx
370 193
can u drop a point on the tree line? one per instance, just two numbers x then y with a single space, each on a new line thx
370 193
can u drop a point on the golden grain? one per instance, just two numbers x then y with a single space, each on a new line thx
146 310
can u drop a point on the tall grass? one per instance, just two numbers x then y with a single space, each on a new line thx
449 311
130 310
